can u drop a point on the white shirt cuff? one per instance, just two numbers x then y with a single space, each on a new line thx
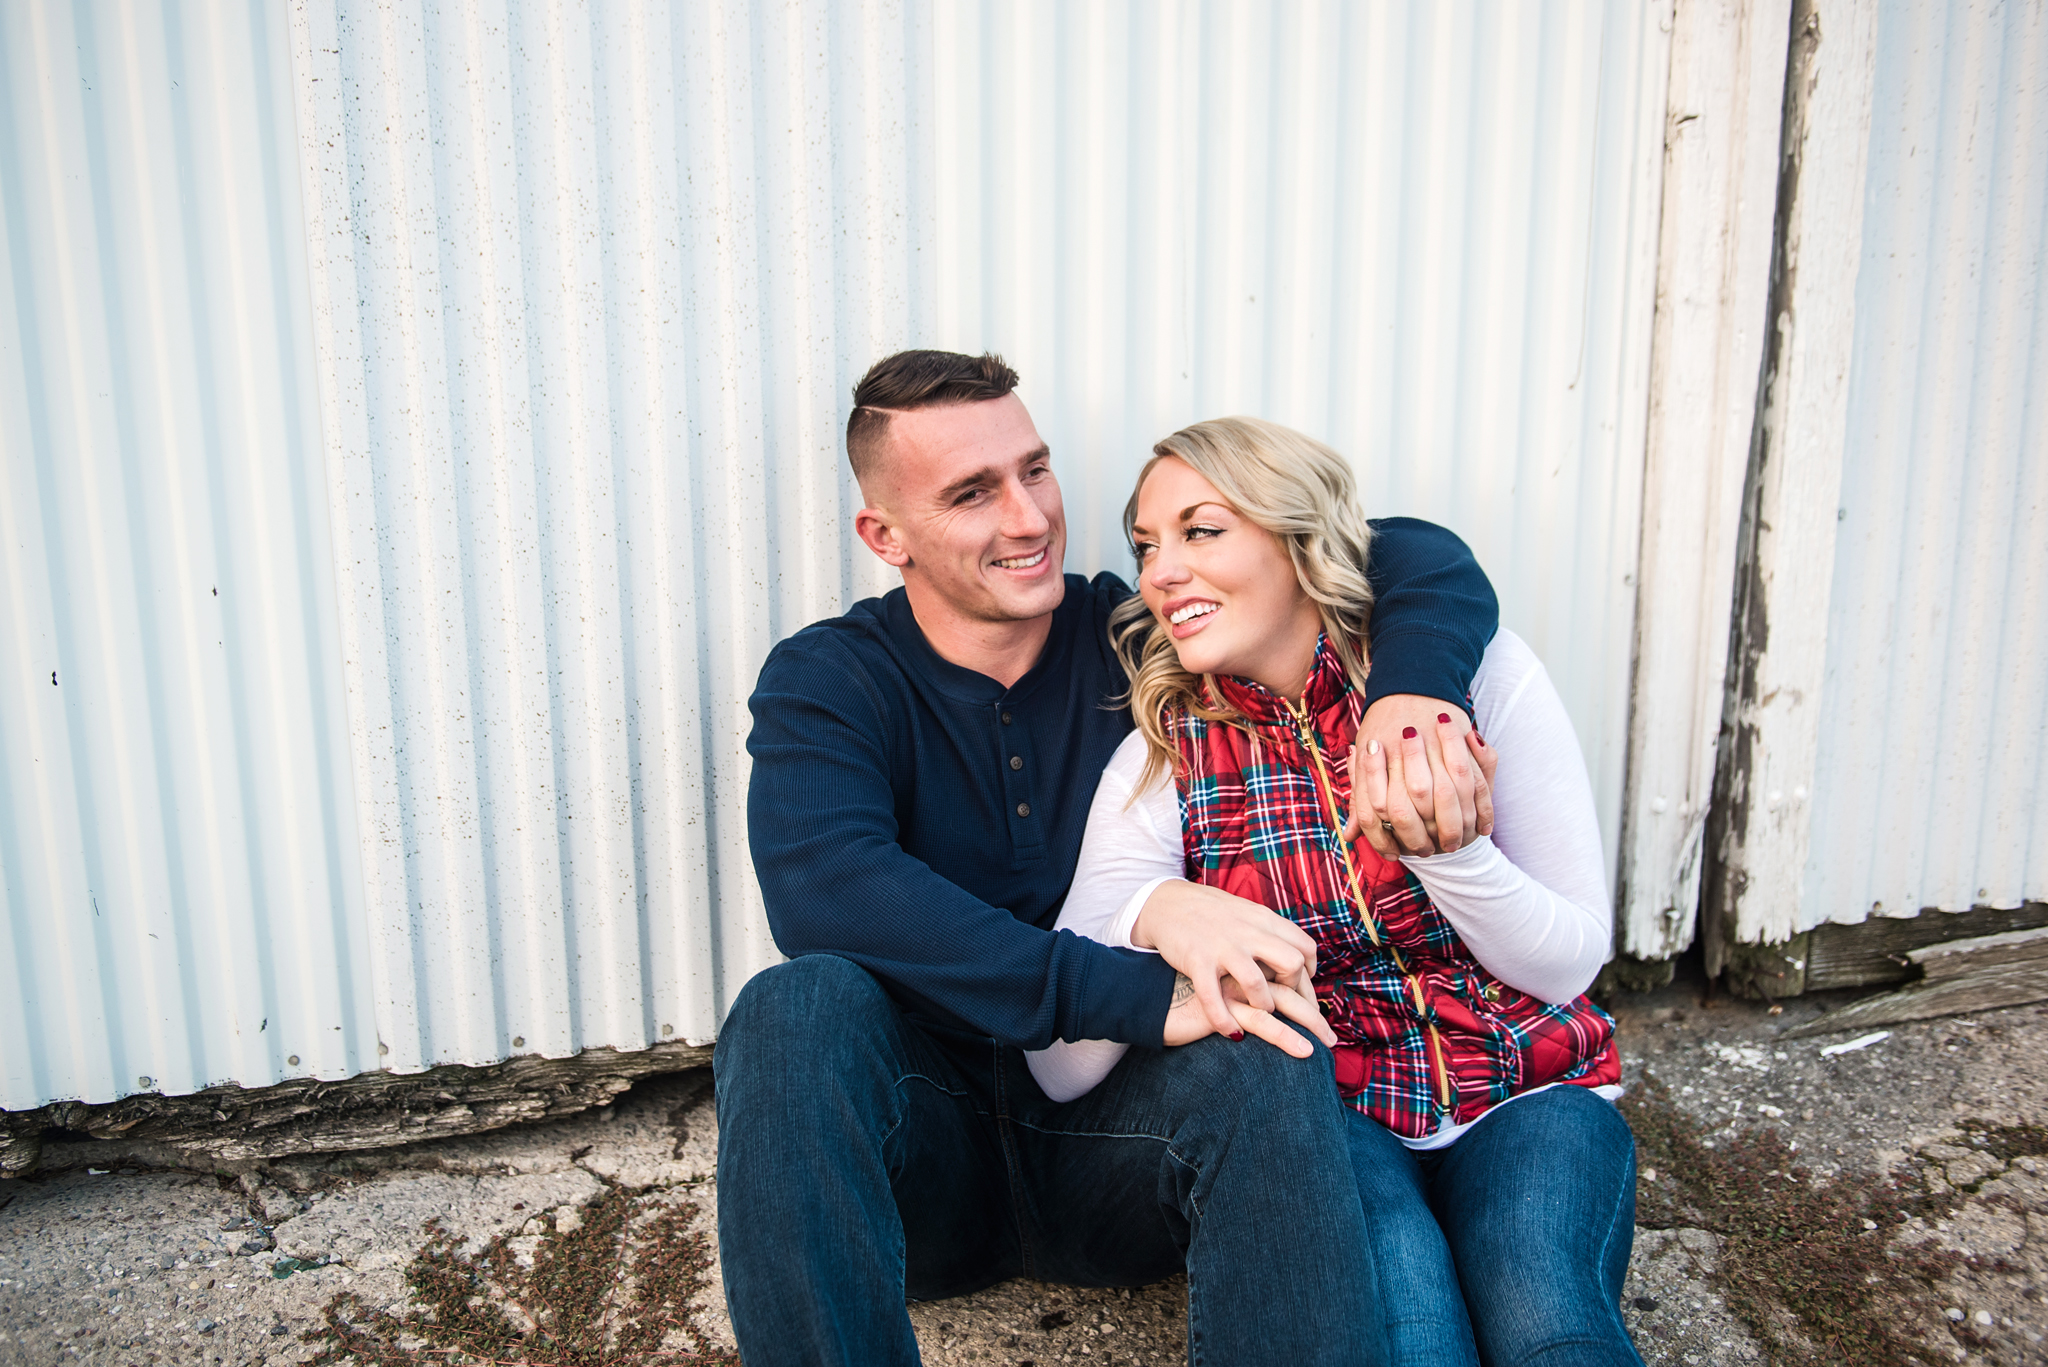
1461 860
1119 931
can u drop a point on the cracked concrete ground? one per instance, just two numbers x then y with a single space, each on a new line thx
117 1255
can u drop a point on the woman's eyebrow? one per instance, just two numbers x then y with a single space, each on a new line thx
1186 513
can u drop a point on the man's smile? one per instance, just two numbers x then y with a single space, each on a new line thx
1022 562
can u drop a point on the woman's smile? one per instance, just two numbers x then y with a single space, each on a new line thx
1220 584
1189 615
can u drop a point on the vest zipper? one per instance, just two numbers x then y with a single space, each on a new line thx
1327 791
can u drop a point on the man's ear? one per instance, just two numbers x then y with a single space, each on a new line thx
878 532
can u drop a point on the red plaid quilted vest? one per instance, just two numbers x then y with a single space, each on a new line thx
1424 1032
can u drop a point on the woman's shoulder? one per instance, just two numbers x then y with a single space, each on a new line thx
1128 759
1508 659
1125 772
1127 797
1510 677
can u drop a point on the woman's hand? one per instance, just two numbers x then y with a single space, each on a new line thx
1439 777
1390 790
1188 1021
1216 939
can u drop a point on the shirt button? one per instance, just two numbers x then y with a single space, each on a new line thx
1006 718
1016 761
1023 809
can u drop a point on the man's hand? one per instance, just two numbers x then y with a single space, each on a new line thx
1215 938
1187 1020
1435 771
1383 788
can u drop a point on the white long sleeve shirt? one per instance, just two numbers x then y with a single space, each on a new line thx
1530 902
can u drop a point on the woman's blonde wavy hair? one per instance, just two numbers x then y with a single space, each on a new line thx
1296 488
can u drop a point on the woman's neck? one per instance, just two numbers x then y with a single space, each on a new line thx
1285 667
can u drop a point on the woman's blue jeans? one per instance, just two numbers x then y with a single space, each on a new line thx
1509 1247
863 1157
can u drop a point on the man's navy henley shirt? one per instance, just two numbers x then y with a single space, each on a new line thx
923 821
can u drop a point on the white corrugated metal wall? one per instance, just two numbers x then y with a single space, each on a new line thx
1930 786
1424 233
589 285
535 371
178 854
1896 672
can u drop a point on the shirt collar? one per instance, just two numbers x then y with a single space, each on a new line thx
972 686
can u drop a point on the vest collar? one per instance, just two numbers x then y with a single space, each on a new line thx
1327 685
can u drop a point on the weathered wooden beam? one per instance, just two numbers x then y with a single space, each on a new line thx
371 1111
1759 830
1985 989
1878 951
1767 971
1955 958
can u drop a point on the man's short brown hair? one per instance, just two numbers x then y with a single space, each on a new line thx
917 379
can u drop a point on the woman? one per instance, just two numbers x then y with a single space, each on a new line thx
1496 1175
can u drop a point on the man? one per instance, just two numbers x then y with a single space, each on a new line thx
923 767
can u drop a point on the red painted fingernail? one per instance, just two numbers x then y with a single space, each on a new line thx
1407 733
1444 717
1476 736
1237 1036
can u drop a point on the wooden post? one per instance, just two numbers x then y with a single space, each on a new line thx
1771 723
1721 154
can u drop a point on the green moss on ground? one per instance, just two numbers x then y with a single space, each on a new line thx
2006 1142
1808 1262
617 1289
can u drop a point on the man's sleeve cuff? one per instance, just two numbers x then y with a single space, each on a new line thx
1128 995
1424 663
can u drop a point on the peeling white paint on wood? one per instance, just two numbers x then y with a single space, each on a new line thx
1777 703
1713 274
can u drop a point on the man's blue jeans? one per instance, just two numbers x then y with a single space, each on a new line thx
1517 1236
862 1157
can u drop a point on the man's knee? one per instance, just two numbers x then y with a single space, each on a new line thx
1250 1077
803 1011
1251 1067
807 1043
818 994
